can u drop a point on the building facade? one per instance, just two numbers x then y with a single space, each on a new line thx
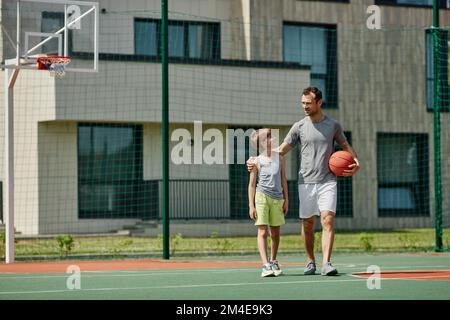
88 147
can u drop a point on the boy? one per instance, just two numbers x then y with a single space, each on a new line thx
268 199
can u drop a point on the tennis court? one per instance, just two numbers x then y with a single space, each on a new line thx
403 276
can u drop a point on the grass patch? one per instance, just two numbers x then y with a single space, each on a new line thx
406 240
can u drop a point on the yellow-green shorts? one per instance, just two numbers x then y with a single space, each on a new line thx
269 211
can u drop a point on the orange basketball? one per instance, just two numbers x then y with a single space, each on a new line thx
339 162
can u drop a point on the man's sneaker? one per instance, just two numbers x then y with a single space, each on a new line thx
276 268
329 270
310 269
267 271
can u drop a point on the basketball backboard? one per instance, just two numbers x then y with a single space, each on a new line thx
35 28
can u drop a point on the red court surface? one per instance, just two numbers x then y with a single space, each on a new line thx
410 275
118 265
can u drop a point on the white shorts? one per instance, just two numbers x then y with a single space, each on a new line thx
317 197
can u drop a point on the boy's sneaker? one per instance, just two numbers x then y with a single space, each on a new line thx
276 268
329 270
310 269
267 271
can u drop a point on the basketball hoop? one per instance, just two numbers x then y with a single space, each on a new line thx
55 64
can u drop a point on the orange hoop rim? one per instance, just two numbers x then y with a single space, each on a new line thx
54 60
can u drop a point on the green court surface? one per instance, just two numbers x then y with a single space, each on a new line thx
239 282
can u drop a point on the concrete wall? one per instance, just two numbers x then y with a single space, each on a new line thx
212 94
231 14
27 113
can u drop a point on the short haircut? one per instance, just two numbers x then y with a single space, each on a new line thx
258 134
315 90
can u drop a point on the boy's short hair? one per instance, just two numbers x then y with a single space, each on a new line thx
258 134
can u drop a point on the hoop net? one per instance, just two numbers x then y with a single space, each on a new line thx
55 64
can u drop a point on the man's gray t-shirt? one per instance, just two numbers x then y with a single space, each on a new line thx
315 140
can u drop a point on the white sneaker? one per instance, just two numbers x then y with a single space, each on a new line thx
276 268
329 270
267 271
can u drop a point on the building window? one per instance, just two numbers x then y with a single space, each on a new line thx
429 69
177 40
110 173
341 1
187 39
314 46
402 170
237 172
444 60
345 188
146 34
414 3
52 22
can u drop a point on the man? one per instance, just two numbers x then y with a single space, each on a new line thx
317 186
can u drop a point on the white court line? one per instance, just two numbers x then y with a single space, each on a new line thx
417 278
359 279
185 286
141 273
398 267
95 274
